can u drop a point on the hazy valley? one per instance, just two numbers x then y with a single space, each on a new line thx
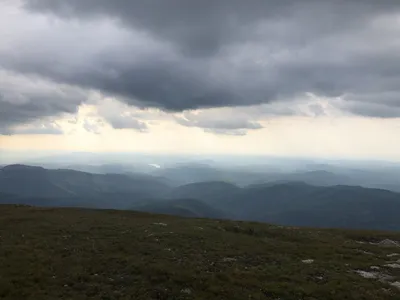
313 197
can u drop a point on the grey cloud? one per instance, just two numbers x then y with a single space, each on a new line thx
376 110
228 122
178 55
222 123
121 116
240 120
35 128
26 99
127 122
388 98
170 84
203 27
317 110
232 132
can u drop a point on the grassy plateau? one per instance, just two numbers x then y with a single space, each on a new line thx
67 253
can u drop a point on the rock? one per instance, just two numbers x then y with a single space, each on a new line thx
365 274
229 259
393 266
396 284
385 277
186 291
160 224
388 243
393 254
366 252
307 261
374 275
375 268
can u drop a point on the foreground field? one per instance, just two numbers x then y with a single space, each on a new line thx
101 254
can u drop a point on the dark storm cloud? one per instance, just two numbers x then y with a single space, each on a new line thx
179 55
203 27
329 49
26 99
169 83
371 109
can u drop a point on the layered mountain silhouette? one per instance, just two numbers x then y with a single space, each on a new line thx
65 186
283 202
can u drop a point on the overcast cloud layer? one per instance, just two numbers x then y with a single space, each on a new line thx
179 55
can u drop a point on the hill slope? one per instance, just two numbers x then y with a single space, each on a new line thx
87 254
210 192
300 204
36 182
180 207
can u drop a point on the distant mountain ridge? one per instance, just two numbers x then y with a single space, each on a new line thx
298 203
209 192
27 181
289 203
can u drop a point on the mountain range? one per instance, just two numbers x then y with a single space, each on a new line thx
289 201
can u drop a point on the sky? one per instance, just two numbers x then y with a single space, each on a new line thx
290 78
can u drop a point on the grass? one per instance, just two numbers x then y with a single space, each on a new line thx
66 253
